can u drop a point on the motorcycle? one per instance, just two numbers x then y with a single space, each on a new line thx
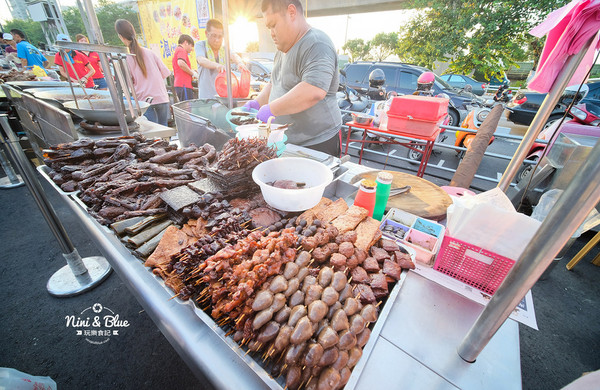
585 113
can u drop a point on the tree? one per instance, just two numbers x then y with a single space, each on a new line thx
107 12
357 49
383 45
252 47
33 30
488 36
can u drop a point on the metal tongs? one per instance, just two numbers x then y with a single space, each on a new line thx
399 190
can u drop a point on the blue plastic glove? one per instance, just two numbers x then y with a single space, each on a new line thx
264 113
252 104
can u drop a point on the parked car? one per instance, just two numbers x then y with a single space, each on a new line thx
402 78
260 67
461 81
526 104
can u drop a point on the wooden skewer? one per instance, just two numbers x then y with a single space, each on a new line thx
174 296
379 303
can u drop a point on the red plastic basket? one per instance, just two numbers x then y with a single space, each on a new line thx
423 108
472 265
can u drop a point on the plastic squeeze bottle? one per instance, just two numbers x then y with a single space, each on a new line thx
365 197
382 194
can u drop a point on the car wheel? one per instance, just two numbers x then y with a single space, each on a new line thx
454 118
525 170
553 119
413 155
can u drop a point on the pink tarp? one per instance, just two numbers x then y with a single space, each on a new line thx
568 29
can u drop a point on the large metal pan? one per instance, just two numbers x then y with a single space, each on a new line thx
23 85
57 96
101 111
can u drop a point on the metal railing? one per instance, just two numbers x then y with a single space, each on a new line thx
454 129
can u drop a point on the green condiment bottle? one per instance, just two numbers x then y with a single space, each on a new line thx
384 184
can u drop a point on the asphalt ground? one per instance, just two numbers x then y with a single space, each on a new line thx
35 339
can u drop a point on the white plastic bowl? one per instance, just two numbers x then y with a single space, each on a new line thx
315 174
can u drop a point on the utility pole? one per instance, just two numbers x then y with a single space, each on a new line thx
346 34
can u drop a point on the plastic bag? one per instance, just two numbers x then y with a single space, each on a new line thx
16 380
546 203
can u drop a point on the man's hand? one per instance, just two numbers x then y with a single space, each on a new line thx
195 75
220 68
264 113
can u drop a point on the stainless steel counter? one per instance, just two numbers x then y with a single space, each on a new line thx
413 345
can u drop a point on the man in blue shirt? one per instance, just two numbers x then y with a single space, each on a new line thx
29 54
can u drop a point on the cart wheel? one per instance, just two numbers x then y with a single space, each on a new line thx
413 155
525 170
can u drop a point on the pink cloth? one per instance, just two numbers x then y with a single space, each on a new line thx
568 29
153 85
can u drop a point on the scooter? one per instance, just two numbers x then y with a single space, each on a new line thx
472 122
585 113
503 94
350 99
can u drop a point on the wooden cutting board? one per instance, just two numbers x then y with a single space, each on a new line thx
425 199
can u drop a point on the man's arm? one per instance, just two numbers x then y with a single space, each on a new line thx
208 64
24 62
184 66
300 98
263 96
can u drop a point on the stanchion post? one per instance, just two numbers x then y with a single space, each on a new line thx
79 275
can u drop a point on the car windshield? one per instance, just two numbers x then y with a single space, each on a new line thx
268 65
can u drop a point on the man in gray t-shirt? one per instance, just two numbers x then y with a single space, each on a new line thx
304 80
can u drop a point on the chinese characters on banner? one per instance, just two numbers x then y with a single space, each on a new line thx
164 21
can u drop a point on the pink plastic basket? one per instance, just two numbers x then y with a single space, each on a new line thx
472 265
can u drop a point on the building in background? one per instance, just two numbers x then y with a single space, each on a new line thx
47 13
18 9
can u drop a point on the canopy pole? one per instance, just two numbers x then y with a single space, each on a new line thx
97 37
561 82
225 10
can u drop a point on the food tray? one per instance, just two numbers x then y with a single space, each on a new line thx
420 234
120 255
472 265
44 170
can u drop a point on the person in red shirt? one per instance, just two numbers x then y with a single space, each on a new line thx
182 68
80 63
94 58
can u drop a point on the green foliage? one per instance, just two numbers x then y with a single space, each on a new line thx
383 45
33 30
107 12
484 35
357 49
252 47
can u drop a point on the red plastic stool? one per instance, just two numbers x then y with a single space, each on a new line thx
457 191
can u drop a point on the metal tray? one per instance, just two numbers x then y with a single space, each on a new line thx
254 365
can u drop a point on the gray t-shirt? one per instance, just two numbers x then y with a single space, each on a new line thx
206 77
312 59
